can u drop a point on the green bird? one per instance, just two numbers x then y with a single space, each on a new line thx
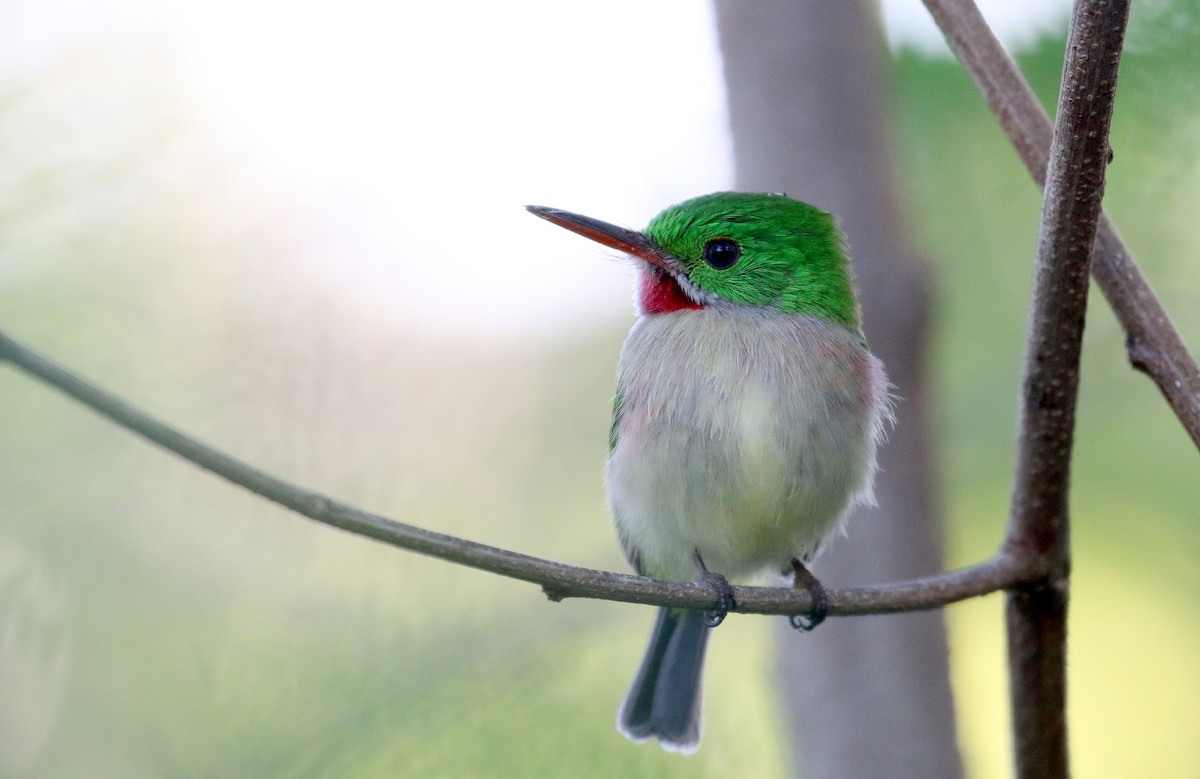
746 419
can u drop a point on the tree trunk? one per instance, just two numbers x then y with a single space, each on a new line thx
808 101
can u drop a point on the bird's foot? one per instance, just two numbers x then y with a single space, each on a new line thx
724 592
803 579
722 589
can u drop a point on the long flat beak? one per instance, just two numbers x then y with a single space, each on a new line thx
620 238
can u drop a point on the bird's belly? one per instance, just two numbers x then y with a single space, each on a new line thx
745 453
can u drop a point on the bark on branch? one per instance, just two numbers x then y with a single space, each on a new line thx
558 580
1039 525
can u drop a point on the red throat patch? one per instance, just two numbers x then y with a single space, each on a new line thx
660 293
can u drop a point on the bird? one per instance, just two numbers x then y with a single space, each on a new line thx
746 420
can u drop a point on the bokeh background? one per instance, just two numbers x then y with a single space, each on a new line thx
295 231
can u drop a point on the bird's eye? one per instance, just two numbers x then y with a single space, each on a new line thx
722 253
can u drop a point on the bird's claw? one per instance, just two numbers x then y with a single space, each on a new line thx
806 622
725 602
803 579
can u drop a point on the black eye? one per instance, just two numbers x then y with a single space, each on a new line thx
722 253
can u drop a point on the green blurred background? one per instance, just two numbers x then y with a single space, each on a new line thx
155 621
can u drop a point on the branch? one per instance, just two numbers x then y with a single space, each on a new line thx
1152 343
558 580
1039 523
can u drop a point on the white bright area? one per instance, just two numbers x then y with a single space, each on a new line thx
407 136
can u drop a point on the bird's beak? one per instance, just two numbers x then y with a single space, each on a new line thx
620 238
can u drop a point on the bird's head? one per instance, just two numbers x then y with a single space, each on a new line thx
733 249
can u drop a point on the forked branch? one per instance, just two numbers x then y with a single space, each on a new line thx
1153 344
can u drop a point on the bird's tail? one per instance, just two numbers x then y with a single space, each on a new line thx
664 700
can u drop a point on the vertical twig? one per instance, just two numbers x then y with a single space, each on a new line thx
1039 520
1152 342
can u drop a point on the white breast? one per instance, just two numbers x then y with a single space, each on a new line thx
743 436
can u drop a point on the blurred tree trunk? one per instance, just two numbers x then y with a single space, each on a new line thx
808 100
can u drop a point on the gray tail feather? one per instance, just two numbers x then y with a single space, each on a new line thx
664 700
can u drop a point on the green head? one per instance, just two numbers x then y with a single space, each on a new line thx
735 248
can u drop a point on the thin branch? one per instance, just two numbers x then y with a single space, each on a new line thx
556 579
1039 523
1153 344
